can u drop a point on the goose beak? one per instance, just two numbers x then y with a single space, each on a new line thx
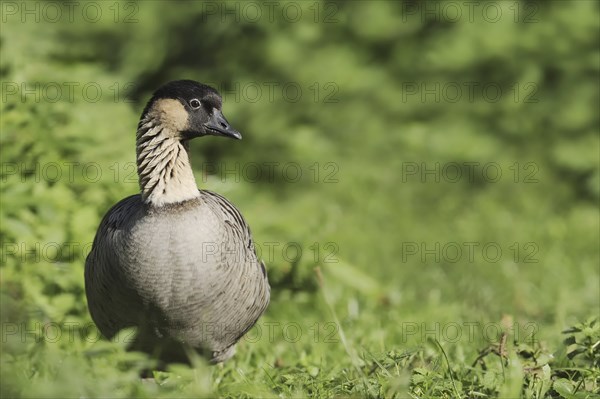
218 126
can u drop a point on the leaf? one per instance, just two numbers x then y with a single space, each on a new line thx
563 387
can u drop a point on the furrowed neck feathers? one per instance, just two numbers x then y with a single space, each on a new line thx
163 164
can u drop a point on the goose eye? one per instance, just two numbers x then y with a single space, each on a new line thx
194 103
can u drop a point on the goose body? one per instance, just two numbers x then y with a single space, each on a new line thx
177 262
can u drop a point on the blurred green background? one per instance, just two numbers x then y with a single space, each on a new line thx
437 162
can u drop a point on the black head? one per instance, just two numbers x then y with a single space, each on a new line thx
190 109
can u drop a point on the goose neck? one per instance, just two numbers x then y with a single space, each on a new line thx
163 164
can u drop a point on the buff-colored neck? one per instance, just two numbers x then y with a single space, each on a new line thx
164 168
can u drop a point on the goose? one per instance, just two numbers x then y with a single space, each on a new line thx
175 262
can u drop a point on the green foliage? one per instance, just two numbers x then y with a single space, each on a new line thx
377 110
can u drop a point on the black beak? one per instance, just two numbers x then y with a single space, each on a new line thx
218 126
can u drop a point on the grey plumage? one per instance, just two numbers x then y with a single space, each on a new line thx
177 262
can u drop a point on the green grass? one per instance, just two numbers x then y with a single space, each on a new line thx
288 355
387 280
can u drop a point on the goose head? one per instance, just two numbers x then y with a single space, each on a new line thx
188 109
177 112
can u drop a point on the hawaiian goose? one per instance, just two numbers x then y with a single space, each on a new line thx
176 262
